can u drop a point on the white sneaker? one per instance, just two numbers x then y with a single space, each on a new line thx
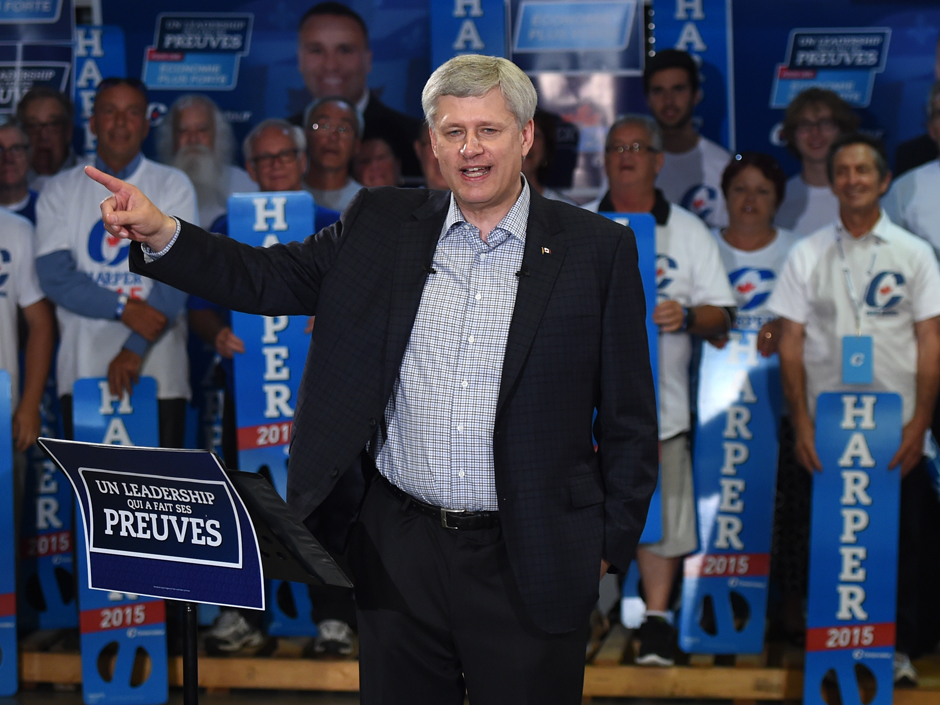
231 632
334 638
905 675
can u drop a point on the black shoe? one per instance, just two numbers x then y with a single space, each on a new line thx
657 643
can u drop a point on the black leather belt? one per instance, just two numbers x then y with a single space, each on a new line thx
457 519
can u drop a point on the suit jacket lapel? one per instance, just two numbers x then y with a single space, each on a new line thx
414 252
541 261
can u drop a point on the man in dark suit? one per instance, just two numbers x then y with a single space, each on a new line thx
463 342
334 59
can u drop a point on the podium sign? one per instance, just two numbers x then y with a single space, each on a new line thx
853 546
267 374
9 677
724 594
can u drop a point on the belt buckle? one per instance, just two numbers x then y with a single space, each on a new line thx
445 513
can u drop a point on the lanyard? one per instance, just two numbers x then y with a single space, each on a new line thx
850 285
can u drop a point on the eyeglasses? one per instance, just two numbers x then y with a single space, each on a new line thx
37 128
824 125
326 128
635 148
14 150
266 161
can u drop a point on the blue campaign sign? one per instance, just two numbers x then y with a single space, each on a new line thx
197 51
853 546
127 420
644 228
99 53
576 27
16 11
9 680
724 594
467 28
267 375
178 531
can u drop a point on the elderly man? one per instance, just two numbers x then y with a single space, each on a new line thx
812 122
15 193
463 342
864 276
196 138
333 128
47 114
334 58
113 322
693 298
692 165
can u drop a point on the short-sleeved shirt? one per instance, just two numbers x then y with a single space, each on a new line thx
914 202
897 284
19 288
806 209
693 180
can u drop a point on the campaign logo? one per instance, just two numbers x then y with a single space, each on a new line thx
665 265
752 287
701 199
4 260
884 293
105 248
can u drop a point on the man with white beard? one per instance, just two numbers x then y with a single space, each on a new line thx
196 138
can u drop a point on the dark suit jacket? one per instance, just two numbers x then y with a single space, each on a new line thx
913 153
576 342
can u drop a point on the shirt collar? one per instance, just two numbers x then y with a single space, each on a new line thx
659 211
123 173
514 221
881 232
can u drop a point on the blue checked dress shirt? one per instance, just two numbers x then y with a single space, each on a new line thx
438 445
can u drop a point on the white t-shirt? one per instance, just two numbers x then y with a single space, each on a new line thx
19 288
806 209
914 202
68 218
238 182
753 275
693 180
337 199
897 280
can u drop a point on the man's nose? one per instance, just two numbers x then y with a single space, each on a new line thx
471 146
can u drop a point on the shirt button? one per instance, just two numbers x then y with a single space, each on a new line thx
482 257
461 473
460 427
465 384
470 339
478 296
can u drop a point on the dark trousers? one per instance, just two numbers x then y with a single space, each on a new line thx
440 616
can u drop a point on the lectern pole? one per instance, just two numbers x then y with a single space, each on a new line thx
190 660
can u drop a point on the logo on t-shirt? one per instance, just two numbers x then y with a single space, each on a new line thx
885 292
105 248
4 259
701 199
665 265
752 287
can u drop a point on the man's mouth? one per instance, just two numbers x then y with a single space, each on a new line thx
475 172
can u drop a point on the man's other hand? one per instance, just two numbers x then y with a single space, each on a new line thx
124 371
26 426
144 319
669 316
129 214
227 343
912 448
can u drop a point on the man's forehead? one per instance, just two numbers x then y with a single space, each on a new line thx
44 105
817 110
855 153
333 29
11 134
334 111
273 138
673 76
197 112
629 133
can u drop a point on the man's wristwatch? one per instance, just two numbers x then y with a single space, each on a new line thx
122 303
688 318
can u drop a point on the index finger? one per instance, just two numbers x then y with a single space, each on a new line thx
112 183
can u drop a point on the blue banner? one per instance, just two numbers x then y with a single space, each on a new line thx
724 594
99 54
467 27
267 375
702 28
853 547
9 674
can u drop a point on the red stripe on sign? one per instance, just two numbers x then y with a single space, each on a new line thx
46 544
857 636
727 565
126 616
272 434
8 604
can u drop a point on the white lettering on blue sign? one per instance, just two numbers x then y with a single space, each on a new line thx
276 212
276 394
468 38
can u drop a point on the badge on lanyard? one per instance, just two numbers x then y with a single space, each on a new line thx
857 365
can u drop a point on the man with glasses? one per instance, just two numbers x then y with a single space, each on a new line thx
15 194
693 298
197 139
812 122
46 115
692 165
333 128
114 323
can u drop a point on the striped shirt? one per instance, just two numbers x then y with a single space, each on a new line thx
438 445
